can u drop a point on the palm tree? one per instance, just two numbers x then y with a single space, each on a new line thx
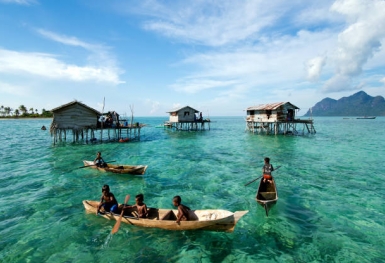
7 111
31 110
17 113
23 109
2 110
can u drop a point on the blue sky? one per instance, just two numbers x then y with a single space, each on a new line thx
219 57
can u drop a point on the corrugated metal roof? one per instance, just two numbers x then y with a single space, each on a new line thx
73 103
181 108
271 106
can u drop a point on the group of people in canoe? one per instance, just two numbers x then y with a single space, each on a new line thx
109 204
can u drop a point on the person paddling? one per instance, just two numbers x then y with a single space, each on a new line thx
140 206
108 201
99 162
266 170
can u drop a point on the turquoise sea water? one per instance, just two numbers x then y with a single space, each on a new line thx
330 208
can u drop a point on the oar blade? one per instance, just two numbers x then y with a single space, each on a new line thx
117 224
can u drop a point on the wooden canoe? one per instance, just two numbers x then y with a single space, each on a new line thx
367 117
119 169
267 195
212 220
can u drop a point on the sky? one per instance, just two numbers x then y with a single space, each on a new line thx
218 57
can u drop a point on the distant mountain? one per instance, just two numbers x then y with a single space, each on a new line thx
358 104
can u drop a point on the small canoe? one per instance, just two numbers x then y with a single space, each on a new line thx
367 117
267 195
124 140
119 169
211 220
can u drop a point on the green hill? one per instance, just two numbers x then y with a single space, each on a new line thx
358 104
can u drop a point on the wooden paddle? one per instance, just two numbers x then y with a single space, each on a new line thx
117 224
93 165
260 177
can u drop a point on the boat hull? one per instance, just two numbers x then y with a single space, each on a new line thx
267 195
369 117
119 169
211 220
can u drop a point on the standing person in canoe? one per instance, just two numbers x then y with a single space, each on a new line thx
183 214
99 162
266 170
108 201
140 206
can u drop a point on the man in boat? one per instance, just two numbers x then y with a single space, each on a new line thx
108 201
140 206
183 214
99 162
266 170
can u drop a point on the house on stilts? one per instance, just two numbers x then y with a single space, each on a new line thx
83 122
277 118
187 119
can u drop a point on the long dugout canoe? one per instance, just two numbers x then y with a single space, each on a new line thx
210 219
118 168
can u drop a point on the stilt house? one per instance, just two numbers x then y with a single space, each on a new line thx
80 119
182 114
276 118
75 115
279 111
186 118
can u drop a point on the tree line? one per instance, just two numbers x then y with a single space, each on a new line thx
22 111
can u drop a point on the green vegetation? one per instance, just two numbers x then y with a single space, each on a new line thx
22 112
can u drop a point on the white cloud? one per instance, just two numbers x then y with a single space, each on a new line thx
99 54
212 23
20 2
72 41
337 83
359 42
269 51
273 63
314 67
101 65
17 90
48 66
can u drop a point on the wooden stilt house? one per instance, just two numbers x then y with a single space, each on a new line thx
186 118
82 121
277 118
74 117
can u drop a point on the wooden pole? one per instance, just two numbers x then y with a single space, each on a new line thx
101 125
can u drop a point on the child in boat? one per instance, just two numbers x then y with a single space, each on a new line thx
108 201
140 206
99 162
183 214
266 170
